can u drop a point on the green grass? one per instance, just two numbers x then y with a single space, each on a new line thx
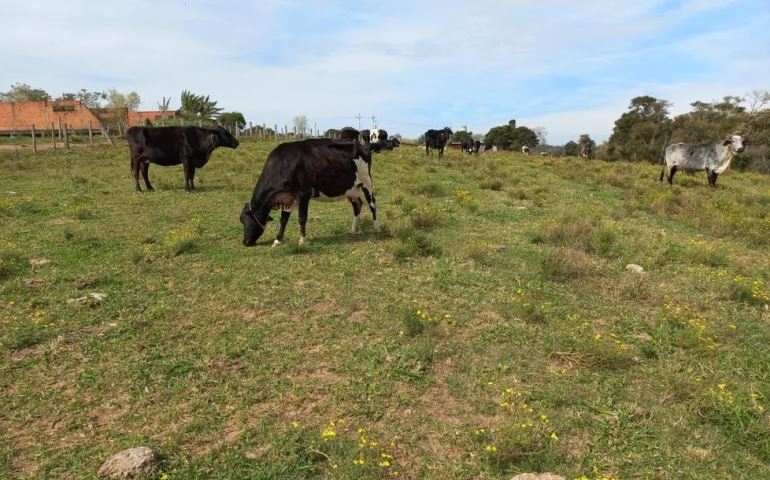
491 329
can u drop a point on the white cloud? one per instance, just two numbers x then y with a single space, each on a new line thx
411 63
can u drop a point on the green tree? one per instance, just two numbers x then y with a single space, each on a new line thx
230 118
129 101
300 124
198 107
89 99
642 132
511 137
21 92
332 133
461 135
165 104
571 149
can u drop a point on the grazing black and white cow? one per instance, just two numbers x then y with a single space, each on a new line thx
378 135
349 133
295 172
437 139
190 146
476 146
366 136
713 157
525 150
388 144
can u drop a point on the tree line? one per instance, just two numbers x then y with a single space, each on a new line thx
647 127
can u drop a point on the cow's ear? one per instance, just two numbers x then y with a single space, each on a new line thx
727 142
746 142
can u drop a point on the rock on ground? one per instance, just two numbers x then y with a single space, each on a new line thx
538 476
92 299
632 267
132 464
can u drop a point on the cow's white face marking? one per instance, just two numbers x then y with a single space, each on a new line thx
736 142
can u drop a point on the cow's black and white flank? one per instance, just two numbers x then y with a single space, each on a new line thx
190 146
388 144
525 150
295 172
437 139
714 158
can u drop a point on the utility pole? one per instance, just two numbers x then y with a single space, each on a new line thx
374 122
359 117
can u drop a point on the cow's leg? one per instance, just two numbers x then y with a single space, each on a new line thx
192 179
187 167
304 202
356 203
712 178
671 172
146 176
662 173
135 167
285 213
373 207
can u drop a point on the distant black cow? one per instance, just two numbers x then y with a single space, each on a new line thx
190 146
295 172
437 139
349 133
366 136
467 145
476 146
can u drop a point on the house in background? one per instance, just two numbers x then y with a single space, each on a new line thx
17 118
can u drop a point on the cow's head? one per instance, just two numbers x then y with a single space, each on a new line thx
253 225
736 143
225 138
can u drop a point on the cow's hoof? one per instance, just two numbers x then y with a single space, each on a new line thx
302 240
277 243
377 226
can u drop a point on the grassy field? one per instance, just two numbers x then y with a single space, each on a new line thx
491 329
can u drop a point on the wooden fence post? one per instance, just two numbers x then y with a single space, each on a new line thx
251 130
60 133
264 133
66 137
53 136
275 131
90 134
34 139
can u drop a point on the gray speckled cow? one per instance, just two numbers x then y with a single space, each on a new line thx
712 157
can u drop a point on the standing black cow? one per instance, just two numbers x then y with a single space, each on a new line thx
349 133
295 172
467 146
437 139
366 136
190 146
476 146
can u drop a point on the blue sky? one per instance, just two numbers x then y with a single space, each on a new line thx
570 67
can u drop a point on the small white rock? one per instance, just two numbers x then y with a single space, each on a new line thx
92 299
39 262
632 267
